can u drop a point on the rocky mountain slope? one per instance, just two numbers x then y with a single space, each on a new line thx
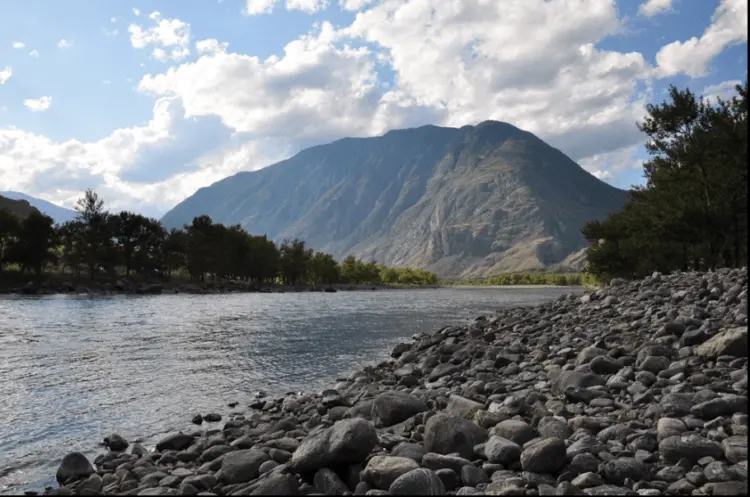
462 202
20 208
59 214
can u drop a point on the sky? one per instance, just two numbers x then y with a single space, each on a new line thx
147 101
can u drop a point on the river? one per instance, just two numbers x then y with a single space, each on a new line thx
74 369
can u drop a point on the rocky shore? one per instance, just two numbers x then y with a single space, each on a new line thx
638 388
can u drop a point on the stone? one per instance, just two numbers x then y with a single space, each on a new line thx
417 482
461 406
728 342
446 434
382 471
73 466
348 441
688 446
515 430
547 455
277 484
116 443
241 466
390 408
178 441
501 450
329 483
735 448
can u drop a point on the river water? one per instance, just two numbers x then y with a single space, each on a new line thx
74 369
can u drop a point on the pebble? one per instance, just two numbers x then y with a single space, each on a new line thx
636 388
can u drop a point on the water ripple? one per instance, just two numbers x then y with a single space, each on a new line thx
74 369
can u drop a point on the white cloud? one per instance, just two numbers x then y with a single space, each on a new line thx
34 53
112 19
154 16
64 43
38 104
309 6
654 7
5 74
725 90
211 46
18 44
255 7
728 27
354 5
448 63
136 12
170 38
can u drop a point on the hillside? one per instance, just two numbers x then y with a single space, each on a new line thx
21 208
59 214
462 202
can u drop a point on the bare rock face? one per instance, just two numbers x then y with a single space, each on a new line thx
461 202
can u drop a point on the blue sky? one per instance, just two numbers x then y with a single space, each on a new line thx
148 101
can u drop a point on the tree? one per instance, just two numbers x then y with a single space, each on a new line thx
692 211
9 226
96 236
295 259
35 241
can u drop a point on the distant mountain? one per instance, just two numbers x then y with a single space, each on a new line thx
465 202
20 208
59 214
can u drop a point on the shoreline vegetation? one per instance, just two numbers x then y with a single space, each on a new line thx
639 388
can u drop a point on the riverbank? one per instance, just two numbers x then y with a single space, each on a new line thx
639 388
85 286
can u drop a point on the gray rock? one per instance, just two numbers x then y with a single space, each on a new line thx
544 456
729 342
382 471
242 466
417 482
347 442
618 470
461 406
116 443
446 434
735 448
411 450
390 408
178 441
515 430
552 427
501 450
688 446
277 484
329 483
72 467
721 406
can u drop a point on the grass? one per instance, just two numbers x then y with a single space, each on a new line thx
529 279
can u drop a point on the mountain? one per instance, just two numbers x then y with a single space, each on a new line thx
463 202
20 208
59 214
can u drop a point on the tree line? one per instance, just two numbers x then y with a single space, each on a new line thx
528 278
692 212
100 243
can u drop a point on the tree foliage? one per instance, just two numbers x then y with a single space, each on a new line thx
692 211
105 244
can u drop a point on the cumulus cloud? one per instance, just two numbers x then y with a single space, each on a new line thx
34 53
5 74
728 27
38 104
724 90
354 5
256 7
18 44
169 37
654 7
64 43
401 63
211 46
309 6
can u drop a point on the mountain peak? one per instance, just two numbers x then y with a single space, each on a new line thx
463 201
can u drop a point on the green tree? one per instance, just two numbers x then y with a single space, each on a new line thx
294 261
9 226
96 236
35 241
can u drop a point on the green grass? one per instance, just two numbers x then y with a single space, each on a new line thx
529 278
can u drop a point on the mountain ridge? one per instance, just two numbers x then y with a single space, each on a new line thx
20 208
462 202
57 213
